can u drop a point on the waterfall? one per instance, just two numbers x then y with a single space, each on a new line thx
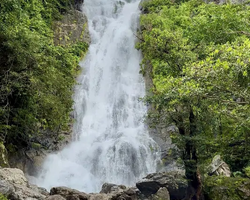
112 142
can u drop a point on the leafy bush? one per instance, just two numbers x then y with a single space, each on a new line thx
2 197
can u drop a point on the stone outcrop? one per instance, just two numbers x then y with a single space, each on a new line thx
158 186
175 183
109 192
109 188
219 167
72 28
161 194
78 4
15 186
170 154
69 194
31 160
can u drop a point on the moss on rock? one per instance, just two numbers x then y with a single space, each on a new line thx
71 29
2 197
3 156
226 188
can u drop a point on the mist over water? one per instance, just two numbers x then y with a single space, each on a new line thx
111 140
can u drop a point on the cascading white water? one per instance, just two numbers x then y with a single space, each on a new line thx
112 142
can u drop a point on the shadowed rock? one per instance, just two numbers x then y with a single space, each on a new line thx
175 183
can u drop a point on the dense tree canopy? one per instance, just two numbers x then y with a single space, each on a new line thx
200 58
36 76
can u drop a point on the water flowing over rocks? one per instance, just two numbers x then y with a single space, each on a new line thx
111 143
72 28
117 149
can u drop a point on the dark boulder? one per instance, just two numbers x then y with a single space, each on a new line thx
78 4
175 183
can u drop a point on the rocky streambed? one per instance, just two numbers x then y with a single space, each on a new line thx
217 184
156 186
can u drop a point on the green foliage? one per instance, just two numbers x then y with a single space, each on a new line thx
36 76
247 171
228 188
2 197
199 55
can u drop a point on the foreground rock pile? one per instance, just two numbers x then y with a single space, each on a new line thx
157 186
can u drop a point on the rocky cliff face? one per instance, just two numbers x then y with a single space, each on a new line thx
71 29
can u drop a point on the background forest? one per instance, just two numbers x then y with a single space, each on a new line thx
198 55
36 76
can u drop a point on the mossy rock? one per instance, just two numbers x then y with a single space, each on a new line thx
72 28
3 156
226 188
247 171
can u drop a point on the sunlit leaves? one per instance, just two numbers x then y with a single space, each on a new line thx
36 76
199 55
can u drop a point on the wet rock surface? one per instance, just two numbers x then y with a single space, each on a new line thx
157 186
71 29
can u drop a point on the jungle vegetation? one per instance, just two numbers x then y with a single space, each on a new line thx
36 76
198 55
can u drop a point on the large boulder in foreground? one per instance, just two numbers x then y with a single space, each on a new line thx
15 186
175 183
109 192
